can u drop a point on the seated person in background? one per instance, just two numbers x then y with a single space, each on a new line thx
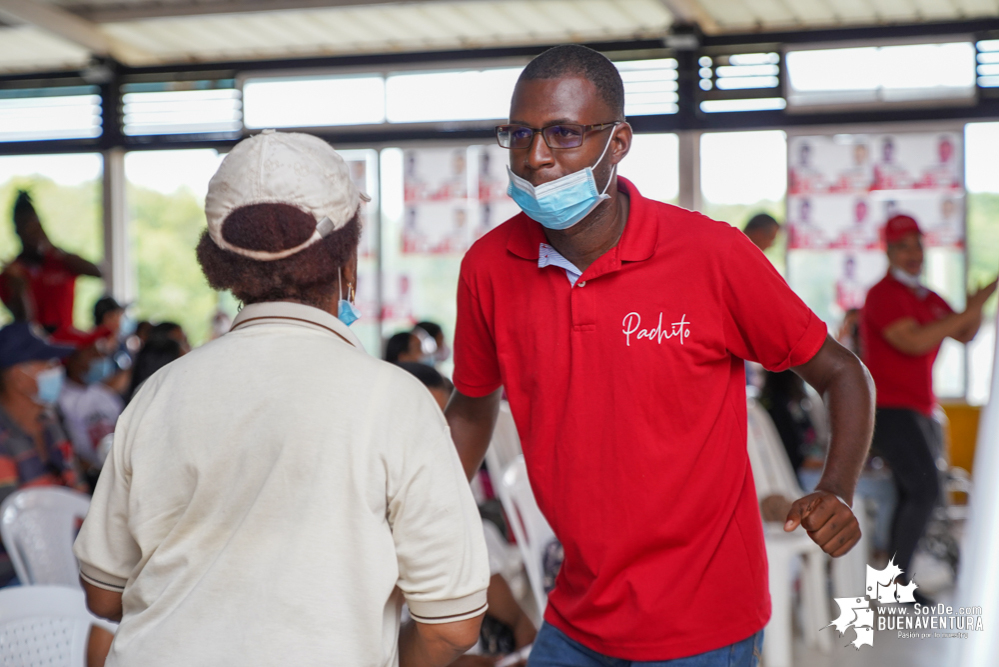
34 450
785 399
274 496
154 355
506 627
762 230
438 385
110 315
89 407
403 346
435 331
173 331
39 285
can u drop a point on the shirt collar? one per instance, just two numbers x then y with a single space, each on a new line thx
286 312
638 242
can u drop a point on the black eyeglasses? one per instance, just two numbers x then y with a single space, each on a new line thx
563 135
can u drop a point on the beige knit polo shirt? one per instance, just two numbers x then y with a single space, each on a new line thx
272 498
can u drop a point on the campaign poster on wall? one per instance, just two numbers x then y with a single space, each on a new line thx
843 188
494 204
363 166
437 201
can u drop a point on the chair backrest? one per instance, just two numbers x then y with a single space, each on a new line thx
772 471
532 531
38 526
505 445
44 625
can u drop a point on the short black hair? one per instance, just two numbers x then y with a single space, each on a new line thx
428 375
575 60
432 328
396 345
760 221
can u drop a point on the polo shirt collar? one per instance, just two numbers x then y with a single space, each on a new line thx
286 312
638 243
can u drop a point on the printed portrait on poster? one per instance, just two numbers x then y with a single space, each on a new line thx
437 207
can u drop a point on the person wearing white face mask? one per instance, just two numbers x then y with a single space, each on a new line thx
33 447
902 325
618 327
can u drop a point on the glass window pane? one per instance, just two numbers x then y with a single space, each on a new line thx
313 101
652 165
744 173
166 191
881 74
450 96
982 178
50 113
66 192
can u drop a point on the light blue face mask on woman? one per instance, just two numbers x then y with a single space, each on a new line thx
561 203
49 383
346 311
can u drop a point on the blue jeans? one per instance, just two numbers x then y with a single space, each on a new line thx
553 648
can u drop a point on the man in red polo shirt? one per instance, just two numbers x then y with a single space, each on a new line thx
618 327
902 326
39 285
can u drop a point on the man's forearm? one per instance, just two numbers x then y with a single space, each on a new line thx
851 415
472 421
848 390
911 338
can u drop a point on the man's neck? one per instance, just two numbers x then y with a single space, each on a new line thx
24 411
583 243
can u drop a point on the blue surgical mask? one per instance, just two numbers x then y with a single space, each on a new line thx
561 203
49 383
127 326
99 369
346 311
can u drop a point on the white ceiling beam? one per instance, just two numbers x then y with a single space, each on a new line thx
70 27
691 12
98 13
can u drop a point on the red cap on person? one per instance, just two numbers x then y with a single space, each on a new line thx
900 226
80 339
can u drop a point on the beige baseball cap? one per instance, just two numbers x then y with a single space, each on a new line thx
282 168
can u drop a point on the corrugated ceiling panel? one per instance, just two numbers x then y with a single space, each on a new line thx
855 11
937 10
730 14
432 25
26 48
771 13
895 10
815 12
974 8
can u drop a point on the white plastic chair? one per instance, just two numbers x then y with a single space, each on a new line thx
529 526
504 447
772 474
38 526
45 625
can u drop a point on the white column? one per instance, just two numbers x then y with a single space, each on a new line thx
117 269
978 582
690 169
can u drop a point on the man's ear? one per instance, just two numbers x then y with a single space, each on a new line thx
621 143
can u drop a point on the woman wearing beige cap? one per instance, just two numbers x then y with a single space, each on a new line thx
276 495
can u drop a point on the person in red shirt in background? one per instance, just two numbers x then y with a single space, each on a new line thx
619 326
39 285
902 326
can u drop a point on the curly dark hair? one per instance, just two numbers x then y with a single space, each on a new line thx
309 276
